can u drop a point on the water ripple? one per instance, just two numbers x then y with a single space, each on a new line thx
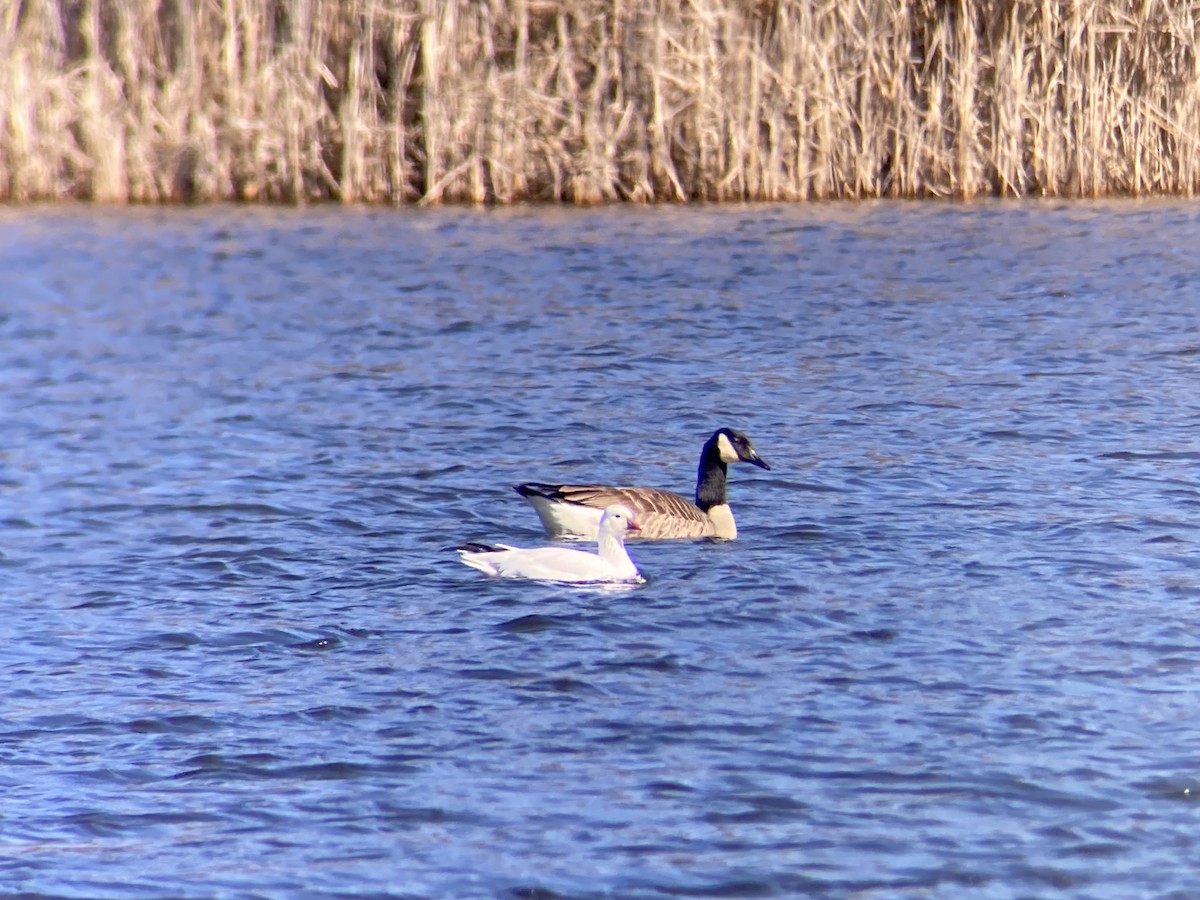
950 654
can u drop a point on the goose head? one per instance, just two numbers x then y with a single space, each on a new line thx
618 519
733 446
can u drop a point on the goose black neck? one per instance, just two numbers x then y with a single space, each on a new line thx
710 478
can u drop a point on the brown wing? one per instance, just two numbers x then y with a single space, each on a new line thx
661 514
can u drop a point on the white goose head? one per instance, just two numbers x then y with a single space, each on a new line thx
616 521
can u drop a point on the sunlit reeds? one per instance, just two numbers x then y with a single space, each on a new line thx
589 101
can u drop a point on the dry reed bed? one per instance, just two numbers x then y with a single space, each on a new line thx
590 101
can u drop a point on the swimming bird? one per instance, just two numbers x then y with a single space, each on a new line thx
611 564
574 510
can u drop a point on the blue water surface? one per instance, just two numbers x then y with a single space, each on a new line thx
954 651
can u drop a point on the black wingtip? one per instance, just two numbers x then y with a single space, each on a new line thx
536 489
473 547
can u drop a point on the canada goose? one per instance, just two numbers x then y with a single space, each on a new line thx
575 509
612 564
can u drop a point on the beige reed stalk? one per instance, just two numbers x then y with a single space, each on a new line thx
593 101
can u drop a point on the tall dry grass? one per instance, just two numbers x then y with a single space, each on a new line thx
588 101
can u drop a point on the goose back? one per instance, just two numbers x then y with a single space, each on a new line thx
574 510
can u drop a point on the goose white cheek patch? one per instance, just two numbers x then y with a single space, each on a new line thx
728 453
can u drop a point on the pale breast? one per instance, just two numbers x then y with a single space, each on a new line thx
721 517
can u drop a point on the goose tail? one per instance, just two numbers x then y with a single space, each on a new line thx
560 516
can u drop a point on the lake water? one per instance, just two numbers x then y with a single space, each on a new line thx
954 652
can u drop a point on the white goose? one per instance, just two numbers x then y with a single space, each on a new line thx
574 510
562 563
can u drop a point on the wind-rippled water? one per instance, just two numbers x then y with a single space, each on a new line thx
954 651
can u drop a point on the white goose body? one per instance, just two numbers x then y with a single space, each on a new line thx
574 510
611 563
